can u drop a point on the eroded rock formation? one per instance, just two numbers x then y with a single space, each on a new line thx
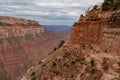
92 53
23 43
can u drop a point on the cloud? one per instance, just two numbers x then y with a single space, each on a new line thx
64 12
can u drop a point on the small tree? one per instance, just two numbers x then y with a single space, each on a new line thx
55 49
92 62
83 46
81 15
75 23
95 7
61 43
105 51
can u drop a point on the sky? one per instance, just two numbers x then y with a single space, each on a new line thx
47 12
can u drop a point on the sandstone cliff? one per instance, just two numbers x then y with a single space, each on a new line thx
92 53
23 43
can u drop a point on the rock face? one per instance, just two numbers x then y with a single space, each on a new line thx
89 28
11 21
92 53
23 43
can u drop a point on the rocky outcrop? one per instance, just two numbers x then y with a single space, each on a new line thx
92 53
13 27
11 21
89 28
75 63
23 43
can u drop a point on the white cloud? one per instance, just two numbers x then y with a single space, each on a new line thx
47 11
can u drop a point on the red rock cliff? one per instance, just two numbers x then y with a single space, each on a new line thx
23 43
92 53
89 28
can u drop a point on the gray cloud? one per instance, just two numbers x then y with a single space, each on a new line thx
47 11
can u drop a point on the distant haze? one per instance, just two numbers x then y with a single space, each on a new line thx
56 12
57 28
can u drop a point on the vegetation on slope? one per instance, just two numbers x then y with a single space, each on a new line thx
11 21
111 5
115 20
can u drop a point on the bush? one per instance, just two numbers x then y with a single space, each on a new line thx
73 63
92 62
95 7
5 24
12 40
61 43
110 5
115 20
66 64
54 64
81 15
92 71
83 46
55 49
105 51
81 60
105 7
32 74
75 23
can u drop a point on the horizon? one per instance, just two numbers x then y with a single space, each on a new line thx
47 12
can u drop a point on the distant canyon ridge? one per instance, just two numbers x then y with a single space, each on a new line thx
23 43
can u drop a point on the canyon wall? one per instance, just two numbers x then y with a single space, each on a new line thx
23 43
98 28
92 53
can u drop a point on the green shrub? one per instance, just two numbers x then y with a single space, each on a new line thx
81 15
95 7
92 62
32 74
81 60
105 7
105 51
92 71
55 49
73 62
114 19
43 65
54 64
61 43
83 46
110 5
5 24
12 40
66 64
75 23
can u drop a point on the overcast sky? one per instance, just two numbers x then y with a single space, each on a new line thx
50 12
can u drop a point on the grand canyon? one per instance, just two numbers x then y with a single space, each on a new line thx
91 53
23 43
89 50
